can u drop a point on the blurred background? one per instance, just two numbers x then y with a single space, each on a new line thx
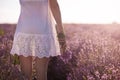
92 29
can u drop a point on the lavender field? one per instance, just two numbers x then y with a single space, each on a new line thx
93 53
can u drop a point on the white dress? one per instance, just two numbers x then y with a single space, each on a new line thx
35 33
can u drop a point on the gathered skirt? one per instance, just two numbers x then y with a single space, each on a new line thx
37 45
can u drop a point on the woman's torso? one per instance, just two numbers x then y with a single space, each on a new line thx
35 17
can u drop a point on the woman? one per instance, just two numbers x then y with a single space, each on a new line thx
37 36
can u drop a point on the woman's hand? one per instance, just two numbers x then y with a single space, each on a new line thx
61 38
62 42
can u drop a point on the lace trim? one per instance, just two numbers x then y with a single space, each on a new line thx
35 45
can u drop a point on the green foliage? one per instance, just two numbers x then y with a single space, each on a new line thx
1 32
16 60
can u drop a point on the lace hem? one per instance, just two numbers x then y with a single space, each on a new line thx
35 45
27 55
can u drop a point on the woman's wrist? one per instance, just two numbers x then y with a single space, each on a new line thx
59 28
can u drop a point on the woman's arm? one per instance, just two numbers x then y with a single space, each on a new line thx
57 15
59 27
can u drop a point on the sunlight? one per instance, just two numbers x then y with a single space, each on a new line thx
90 11
73 11
9 11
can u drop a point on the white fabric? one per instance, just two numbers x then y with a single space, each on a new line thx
35 32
